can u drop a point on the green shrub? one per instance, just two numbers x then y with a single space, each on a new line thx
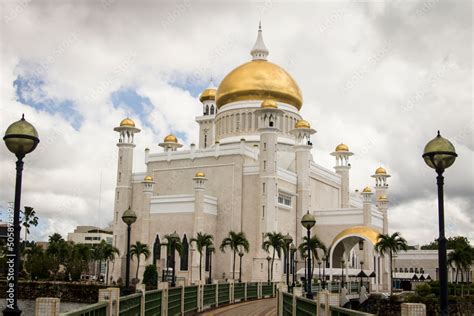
423 290
150 276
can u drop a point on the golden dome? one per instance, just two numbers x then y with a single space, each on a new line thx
127 122
148 178
342 147
200 174
367 190
383 198
170 139
302 124
259 80
380 170
269 104
208 94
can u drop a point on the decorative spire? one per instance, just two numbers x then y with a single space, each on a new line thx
259 50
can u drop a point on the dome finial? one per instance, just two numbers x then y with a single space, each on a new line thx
259 50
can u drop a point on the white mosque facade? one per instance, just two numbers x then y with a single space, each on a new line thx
252 171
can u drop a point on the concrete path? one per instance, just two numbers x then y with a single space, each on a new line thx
264 307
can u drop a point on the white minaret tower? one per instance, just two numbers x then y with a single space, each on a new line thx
144 219
259 50
207 120
367 205
199 189
268 116
381 185
382 206
123 190
342 168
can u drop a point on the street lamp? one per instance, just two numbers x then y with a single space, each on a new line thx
210 249
287 239
319 270
241 254
361 272
165 270
361 244
20 138
174 237
440 154
305 256
308 221
268 260
128 217
293 265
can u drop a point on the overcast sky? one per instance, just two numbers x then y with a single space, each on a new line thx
380 76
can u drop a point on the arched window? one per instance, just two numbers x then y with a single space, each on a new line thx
184 255
205 140
212 109
156 249
206 112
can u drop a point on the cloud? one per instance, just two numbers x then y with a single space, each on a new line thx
381 76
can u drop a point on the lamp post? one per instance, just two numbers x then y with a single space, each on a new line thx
319 270
174 237
342 270
210 249
361 272
293 265
324 272
287 239
165 274
128 217
440 154
241 254
268 260
20 138
308 221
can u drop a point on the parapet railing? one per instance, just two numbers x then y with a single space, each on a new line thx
181 300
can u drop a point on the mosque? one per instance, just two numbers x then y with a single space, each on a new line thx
252 171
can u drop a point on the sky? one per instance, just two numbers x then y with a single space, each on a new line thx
380 76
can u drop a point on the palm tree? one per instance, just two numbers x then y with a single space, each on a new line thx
314 244
234 241
202 240
29 219
109 253
391 244
461 259
275 241
137 250
58 251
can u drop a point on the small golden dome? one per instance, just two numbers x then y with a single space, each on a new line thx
259 80
269 104
127 122
383 198
302 124
170 139
148 178
367 190
380 170
342 147
208 94
200 174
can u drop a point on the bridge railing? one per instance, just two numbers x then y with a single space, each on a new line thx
324 303
179 300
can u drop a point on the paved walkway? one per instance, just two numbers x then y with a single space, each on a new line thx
264 307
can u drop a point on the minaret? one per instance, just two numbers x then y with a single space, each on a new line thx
302 147
268 116
144 219
170 144
207 120
123 190
342 168
381 185
259 50
367 206
382 206
199 189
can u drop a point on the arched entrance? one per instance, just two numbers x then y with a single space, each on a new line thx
356 244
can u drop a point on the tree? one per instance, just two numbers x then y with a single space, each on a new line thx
37 263
77 260
275 241
461 259
234 241
314 244
57 251
391 244
29 219
202 240
109 253
137 250
150 276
